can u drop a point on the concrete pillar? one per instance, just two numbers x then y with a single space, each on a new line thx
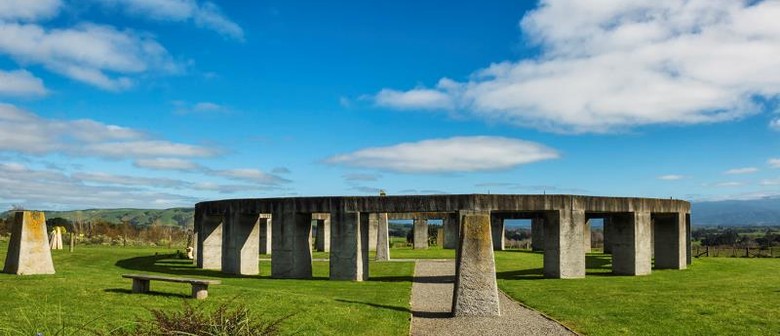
586 236
322 241
265 234
670 241
497 232
209 250
631 243
440 238
28 251
291 232
564 254
240 244
420 233
607 235
382 238
373 227
451 224
475 292
688 237
195 248
349 246
537 233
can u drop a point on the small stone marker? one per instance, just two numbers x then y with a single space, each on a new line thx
55 238
476 291
28 250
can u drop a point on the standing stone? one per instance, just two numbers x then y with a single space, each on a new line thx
28 251
498 232
194 247
564 254
241 243
475 292
322 241
420 234
608 232
537 234
265 234
670 246
451 224
55 239
349 246
586 236
209 250
373 227
688 238
631 253
440 237
291 257
383 238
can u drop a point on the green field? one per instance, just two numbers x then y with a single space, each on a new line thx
715 296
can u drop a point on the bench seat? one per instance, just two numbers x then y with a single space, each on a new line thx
199 286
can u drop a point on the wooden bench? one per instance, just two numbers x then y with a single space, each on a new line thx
199 286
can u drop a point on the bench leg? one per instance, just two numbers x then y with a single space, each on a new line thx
199 291
140 286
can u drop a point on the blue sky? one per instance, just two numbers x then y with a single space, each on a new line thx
163 103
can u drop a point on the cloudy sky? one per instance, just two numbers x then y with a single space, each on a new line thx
163 103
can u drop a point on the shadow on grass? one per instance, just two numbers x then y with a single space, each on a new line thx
375 305
435 279
152 293
391 278
167 264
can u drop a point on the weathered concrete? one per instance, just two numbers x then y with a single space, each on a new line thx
383 238
241 242
440 237
291 234
28 251
586 236
373 227
420 233
195 248
564 254
497 232
209 250
266 228
688 237
451 223
537 234
670 241
476 291
349 246
631 243
322 241
608 231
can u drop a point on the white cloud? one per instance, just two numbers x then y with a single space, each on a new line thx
671 177
774 163
775 124
458 154
29 10
98 55
361 177
126 180
25 132
207 107
615 64
729 184
739 171
20 83
204 14
167 164
251 175
767 182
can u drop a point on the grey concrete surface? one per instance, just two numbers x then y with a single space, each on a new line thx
291 233
537 234
382 239
265 235
420 233
209 241
497 232
451 225
630 242
349 246
476 291
670 245
240 249
564 254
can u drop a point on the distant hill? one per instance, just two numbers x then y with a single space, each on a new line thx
764 211
180 217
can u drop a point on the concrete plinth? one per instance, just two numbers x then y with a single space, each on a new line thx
537 234
240 244
195 248
209 248
451 224
291 258
475 292
688 237
55 239
586 236
322 240
420 233
28 251
349 246
382 238
608 235
564 254
670 241
440 237
373 227
631 253
266 227
498 233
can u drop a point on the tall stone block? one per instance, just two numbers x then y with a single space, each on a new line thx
241 244
608 235
291 232
670 241
586 236
420 233
475 292
209 250
564 254
498 232
688 237
322 240
451 224
373 227
28 251
266 235
349 246
631 253
382 238
537 234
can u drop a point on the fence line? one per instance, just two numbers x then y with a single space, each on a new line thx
735 252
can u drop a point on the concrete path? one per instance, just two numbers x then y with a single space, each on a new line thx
432 303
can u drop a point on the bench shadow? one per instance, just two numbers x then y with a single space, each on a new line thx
401 309
432 315
152 293
434 279
168 264
390 278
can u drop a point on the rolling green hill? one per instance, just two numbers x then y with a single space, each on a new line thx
180 217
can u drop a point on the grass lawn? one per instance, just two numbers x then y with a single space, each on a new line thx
88 289
715 296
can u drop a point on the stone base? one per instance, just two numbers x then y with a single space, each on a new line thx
28 251
475 292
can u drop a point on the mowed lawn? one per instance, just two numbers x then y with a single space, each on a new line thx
88 289
714 296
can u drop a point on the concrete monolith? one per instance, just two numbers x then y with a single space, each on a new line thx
28 251
475 292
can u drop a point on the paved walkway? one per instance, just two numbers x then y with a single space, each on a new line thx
432 303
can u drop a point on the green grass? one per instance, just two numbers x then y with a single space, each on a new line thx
715 296
88 289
